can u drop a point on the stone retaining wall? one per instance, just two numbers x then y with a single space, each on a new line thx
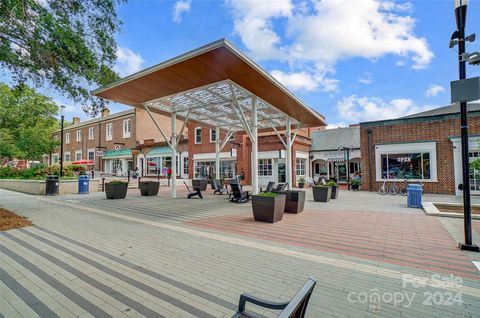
37 187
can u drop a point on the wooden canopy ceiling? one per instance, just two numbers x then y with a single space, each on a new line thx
215 62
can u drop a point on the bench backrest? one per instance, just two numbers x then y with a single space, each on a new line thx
237 193
298 305
270 186
216 184
281 187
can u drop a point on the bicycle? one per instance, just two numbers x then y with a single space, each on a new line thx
393 189
403 190
384 188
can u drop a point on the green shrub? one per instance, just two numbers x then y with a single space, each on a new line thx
331 183
40 172
356 181
118 182
268 194
302 180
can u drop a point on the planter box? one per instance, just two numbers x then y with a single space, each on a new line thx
200 184
268 209
149 188
116 191
335 190
322 193
294 201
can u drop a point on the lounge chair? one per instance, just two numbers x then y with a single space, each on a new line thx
238 195
281 187
218 187
270 186
294 308
194 193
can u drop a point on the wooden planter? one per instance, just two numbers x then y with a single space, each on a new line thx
149 188
268 209
200 184
294 201
335 190
322 193
116 190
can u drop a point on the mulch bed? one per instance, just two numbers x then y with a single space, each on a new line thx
9 220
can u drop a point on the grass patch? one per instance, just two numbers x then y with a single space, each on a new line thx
9 220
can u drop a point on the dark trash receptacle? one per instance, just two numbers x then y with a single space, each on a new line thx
83 182
51 185
414 196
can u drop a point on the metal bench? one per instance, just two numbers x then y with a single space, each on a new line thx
294 308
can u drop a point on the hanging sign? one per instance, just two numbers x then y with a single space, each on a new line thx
233 152
99 153
281 153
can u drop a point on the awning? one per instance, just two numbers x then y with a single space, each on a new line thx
336 159
120 153
159 151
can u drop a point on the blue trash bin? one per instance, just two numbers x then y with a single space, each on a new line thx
414 198
83 182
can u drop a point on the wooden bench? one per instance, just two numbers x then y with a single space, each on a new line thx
294 308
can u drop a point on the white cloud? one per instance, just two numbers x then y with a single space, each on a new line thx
337 125
315 35
303 81
354 109
179 8
366 78
128 62
433 90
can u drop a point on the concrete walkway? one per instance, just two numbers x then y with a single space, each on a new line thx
161 257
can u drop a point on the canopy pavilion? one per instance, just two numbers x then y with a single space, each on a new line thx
216 86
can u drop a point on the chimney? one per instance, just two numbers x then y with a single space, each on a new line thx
105 112
76 120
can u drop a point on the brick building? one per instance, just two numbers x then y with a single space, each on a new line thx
423 147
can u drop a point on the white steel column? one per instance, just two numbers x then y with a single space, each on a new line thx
217 152
174 155
289 154
254 147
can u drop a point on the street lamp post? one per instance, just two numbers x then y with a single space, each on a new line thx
460 17
62 120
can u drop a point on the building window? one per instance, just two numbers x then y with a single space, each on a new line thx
67 156
55 137
55 159
79 135
265 167
109 131
91 154
91 131
67 138
185 165
198 135
127 128
301 167
78 155
415 161
213 135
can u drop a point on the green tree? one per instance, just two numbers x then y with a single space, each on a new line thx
67 44
27 120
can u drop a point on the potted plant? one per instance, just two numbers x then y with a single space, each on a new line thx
335 188
322 193
116 189
268 206
355 184
149 188
301 182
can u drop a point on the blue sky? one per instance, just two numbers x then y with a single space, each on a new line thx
351 60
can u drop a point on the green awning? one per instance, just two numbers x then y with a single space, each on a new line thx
159 151
120 153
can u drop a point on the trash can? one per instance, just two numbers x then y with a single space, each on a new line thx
83 182
414 196
51 185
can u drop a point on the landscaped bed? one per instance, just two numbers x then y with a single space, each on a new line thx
9 220
455 208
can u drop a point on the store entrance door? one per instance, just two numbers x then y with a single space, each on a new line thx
282 175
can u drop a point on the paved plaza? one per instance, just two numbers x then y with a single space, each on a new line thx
87 256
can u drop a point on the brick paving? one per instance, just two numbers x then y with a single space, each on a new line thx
87 256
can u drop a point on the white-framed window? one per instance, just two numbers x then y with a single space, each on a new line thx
213 135
79 135
185 165
66 156
301 167
265 167
109 131
91 133
67 138
55 158
198 135
127 128
78 155
55 137
411 161
91 154
232 137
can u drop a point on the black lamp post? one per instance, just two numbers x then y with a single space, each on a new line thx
459 37
62 120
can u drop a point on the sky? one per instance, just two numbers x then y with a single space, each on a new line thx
351 60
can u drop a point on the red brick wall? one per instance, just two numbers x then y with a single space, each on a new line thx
433 130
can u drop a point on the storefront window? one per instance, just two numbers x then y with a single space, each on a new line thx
405 166
117 166
204 169
153 164
301 166
265 167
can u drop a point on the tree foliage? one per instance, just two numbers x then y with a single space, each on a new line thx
68 44
27 120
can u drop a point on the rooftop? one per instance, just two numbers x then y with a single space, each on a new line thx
99 119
